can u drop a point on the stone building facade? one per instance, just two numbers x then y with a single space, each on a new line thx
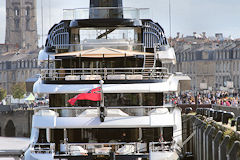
18 56
15 68
207 61
21 26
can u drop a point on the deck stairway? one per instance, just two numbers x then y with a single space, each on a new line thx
149 63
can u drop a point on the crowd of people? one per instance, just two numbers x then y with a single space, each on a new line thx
218 97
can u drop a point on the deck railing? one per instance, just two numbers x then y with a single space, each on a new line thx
119 148
122 148
122 44
116 110
43 148
105 12
73 74
161 146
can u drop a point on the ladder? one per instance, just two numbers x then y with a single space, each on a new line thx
149 63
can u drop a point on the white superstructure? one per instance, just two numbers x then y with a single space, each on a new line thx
127 55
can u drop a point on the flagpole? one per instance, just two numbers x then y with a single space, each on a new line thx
102 95
102 108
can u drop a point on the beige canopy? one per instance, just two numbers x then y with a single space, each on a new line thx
103 52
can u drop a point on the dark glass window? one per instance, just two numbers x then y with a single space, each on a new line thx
124 99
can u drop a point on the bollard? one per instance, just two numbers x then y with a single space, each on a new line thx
233 123
222 151
238 123
219 116
232 155
205 143
198 111
202 111
226 116
206 112
201 145
209 139
215 115
188 110
215 145
210 112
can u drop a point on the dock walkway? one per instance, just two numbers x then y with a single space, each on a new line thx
13 148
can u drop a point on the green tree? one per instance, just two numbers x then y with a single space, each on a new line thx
18 90
3 94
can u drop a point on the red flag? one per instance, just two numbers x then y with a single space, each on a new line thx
92 95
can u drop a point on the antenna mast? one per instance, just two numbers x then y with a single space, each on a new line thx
170 22
42 19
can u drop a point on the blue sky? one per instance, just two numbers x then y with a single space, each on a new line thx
188 16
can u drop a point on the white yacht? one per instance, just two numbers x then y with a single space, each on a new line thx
121 51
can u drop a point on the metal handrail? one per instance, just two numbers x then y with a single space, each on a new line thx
161 146
108 147
61 73
108 107
125 45
134 111
84 13
41 148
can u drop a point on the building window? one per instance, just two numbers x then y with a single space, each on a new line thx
16 11
17 23
27 24
27 12
22 64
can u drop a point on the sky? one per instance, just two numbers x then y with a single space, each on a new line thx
187 16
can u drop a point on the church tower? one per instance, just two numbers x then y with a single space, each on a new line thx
21 23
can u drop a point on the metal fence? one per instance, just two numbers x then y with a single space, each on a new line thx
211 144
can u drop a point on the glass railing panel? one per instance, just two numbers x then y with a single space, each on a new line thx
111 44
105 12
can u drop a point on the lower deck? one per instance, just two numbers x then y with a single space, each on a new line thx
112 151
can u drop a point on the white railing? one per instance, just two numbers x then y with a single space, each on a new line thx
161 146
43 148
121 110
87 44
120 148
104 73
105 12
